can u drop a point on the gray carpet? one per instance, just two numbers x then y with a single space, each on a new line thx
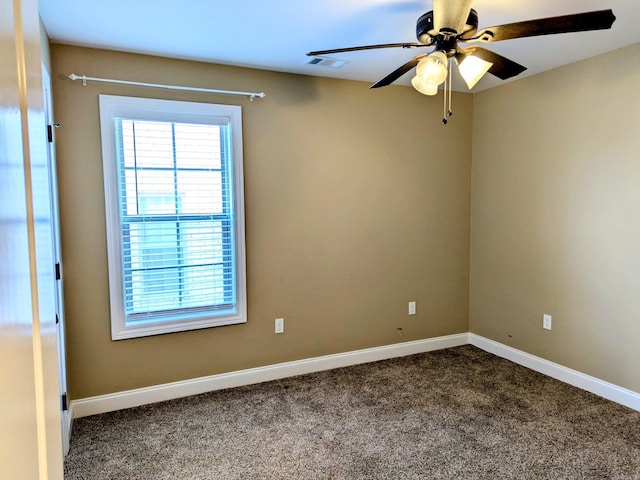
459 413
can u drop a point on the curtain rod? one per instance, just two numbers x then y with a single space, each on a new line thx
84 79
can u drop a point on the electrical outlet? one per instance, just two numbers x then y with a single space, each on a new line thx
412 308
546 322
279 325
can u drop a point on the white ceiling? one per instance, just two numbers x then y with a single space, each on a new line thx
276 34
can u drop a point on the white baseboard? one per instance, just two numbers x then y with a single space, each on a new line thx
591 384
168 391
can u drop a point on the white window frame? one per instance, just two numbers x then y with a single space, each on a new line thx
113 107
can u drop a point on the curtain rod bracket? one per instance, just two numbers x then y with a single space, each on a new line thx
251 95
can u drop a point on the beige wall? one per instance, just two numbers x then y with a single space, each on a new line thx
357 201
555 216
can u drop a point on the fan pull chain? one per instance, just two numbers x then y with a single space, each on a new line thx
444 105
450 112
446 109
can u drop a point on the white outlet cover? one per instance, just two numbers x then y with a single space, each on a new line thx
412 308
546 321
279 324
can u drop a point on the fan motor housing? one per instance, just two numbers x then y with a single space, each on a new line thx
425 29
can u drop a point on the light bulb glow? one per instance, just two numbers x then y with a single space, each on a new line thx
423 87
433 68
472 69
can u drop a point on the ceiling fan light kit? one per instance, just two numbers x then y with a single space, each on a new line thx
423 87
472 69
432 69
454 21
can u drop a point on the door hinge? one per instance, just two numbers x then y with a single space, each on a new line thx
58 275
50 131
57 319
65 407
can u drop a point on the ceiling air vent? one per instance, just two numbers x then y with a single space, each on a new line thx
326 62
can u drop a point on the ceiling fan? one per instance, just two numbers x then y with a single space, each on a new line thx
452 22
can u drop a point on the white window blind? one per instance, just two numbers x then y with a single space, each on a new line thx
175 198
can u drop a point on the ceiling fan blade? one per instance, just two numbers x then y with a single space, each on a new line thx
502 67
579 22
398 72
366 47
450 16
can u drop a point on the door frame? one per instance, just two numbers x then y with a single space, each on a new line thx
65 412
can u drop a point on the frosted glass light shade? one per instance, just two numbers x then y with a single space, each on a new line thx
472 69
423 87
433 68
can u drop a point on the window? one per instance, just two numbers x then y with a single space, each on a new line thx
174 210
